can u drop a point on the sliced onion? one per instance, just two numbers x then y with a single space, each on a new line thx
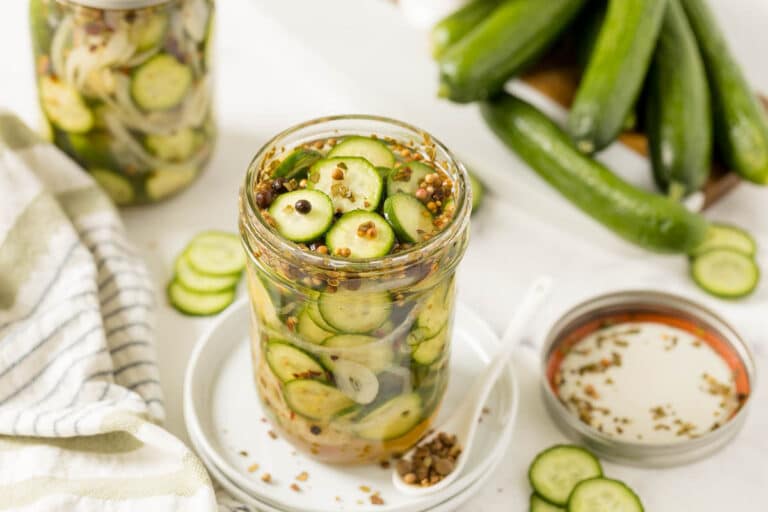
195 15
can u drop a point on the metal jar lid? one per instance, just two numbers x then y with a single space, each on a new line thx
640 453
119 4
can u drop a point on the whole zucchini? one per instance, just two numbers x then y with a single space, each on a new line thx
458 24
615 73
513 36
741 124
649 220
678 116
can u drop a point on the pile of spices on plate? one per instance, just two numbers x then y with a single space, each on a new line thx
431 462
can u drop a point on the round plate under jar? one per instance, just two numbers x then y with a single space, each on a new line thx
647 378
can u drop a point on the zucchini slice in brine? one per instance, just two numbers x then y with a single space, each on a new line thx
315 400
408 216
375 151
161 83
360 349
392 419
290 363
355 312
64 106
300 225
364 234
352 183
407 177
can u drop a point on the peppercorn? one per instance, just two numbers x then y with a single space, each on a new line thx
263 199
303 206
278 186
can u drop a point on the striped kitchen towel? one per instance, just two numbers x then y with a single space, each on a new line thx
80 400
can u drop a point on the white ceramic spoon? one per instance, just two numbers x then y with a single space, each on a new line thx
463 422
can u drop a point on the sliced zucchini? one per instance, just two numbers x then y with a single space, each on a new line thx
175 147
392 419
725 273
313 310
161 83
161 183
315 400
263 307
149 32
726 236
93 149
302 215
352 183
430 350
355 312
409 217
216 253
556 471
604 495
297 163
539 504
360 349
375 151
478 191
435 310
407 177
364 234
196 281
198 304
309 330
64 106
290 363
118 188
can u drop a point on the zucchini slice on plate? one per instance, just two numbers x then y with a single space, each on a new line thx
392 419
64 106
407 177
355 312
352 183
360 349
161 83
408 216
216 253
118 188
302 215
725 273
375 151
315 400
556 471
202 283
290 363
603 495
363 234
198 304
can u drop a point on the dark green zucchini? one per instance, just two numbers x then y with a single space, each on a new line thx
678 116
741 124
458 24
587 28
513 36
649 220
615 73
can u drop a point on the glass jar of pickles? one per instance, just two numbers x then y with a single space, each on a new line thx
353 227
125 87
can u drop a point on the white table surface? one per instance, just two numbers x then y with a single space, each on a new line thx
282 62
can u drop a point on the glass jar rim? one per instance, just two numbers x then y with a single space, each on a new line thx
256 226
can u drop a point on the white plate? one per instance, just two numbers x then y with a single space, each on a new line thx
224 416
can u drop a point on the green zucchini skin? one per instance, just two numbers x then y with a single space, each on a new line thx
614 76
455 26
678 115
648 220
741 124
513 36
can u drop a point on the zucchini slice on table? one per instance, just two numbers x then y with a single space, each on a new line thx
290 363
64 106
539 504
315 400
392 419
361 234
352 183
603 495
726 236
376 152
216 253
302 215
161 83
725 273
355 312
198 304
202 283
556 471
408 216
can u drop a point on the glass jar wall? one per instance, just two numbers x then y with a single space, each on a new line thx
351 357
127 91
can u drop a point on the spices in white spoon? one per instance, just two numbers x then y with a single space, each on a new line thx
431 462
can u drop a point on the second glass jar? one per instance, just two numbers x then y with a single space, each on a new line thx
351 358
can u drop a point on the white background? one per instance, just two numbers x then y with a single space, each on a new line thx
284 61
